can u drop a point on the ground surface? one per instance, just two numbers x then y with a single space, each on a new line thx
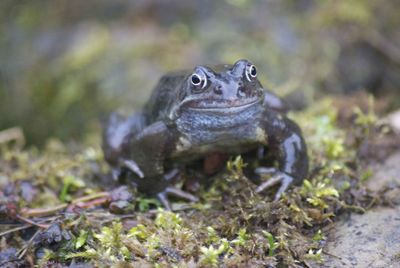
59 206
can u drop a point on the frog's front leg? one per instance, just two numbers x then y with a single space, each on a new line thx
116 138
284 137
149 150
273 102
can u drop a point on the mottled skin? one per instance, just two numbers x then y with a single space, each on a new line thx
193 115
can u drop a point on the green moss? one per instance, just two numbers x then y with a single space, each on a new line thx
315 255
235 166
81 240
271 242
317 192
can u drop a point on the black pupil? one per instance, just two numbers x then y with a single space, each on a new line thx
195 79
253 71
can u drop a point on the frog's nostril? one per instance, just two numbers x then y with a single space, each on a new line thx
218 90
241 91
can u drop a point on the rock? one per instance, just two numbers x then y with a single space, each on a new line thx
8 258
371 239
368 240
52 235
121 200
386 173
394 121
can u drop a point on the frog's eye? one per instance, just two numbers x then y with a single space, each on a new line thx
198 80
251 72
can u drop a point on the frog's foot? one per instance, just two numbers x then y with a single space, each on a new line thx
163 196
132 166
115 173
279 177
265 171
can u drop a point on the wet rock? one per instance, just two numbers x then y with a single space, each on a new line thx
53 235
8 258
121 193
121 200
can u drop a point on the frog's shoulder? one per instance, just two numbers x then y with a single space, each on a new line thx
164 96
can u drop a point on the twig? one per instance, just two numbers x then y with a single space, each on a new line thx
90 197
32 222
15 229
330 254
36 212
95 202
346 206
26 226
23 250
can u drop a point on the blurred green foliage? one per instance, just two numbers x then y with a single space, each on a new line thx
67 64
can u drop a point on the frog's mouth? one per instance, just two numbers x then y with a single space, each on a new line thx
222 106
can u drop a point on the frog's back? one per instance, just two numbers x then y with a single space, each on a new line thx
164 96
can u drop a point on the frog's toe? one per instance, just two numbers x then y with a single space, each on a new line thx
284 179
163 196
115 173
265 170
182 194
132 166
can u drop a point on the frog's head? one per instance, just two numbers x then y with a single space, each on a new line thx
227 89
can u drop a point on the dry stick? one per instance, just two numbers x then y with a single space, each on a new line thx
15 229
24 249
90 197
32 222
343 204
101 197
95 202
332 255
36 212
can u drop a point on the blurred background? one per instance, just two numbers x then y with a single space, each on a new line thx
65 65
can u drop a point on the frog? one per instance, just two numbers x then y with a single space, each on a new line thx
197 114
